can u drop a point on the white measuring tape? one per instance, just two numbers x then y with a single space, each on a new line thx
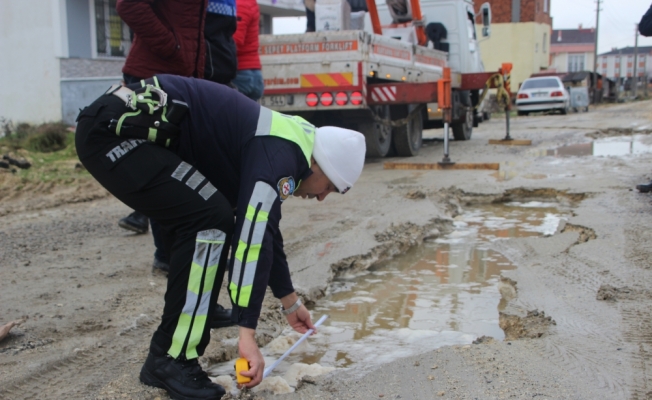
269 369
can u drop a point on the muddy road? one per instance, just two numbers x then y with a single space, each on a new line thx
576 310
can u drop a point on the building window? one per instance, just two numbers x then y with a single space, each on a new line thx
576 62
545 6
112 36
545 43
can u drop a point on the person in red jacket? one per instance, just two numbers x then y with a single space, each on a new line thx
249 79
168 37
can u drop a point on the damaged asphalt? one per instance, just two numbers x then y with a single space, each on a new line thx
579 321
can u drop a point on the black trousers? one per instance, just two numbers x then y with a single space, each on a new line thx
197 221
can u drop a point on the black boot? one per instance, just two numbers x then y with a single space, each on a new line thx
161 265
183 379
221 317
644 188
135 222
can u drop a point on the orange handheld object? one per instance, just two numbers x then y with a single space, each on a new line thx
241 364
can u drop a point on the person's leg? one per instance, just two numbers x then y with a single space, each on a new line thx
243 82
250 83
258 86
135 222
199 221
138 222
221 317
161 257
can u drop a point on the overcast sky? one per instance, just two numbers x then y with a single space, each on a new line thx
617 20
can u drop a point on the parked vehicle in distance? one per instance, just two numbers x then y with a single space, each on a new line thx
542 94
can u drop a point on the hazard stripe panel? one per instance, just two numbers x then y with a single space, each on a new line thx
385 93
327 80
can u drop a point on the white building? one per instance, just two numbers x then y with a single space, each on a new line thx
618 64
59 55
571 50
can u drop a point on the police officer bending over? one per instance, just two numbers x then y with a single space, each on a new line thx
187 152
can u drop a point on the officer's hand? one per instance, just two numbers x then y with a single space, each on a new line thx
300 320
249 350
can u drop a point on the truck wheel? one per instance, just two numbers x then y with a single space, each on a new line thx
463 129
378 136
409 137
477 119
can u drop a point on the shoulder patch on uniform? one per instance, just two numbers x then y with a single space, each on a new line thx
285 187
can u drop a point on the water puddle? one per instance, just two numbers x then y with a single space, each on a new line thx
445 292
610 146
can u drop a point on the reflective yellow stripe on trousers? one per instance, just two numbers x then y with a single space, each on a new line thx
194 316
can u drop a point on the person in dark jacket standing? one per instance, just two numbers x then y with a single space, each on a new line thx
221 57
168 38
187 153
249 79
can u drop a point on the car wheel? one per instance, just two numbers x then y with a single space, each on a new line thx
564 110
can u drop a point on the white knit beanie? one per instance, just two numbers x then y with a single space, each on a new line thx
340 154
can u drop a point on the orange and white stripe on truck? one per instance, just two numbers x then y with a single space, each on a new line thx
305 83
328 80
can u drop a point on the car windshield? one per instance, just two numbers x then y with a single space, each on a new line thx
540 84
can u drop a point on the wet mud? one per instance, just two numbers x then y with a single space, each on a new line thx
93 301
533 325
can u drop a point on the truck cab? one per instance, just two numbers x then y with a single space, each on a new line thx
458 19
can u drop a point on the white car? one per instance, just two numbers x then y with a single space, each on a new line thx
542 94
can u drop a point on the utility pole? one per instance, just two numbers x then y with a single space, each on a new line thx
635 61
595 54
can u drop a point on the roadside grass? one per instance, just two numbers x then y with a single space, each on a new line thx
50 148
